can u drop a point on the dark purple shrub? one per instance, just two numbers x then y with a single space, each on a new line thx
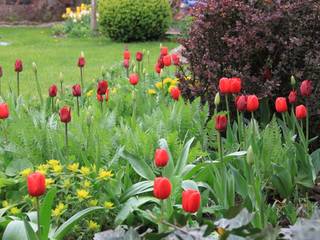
263 42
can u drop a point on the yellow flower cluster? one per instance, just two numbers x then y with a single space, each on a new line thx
59 210
93 226
169 83
77 15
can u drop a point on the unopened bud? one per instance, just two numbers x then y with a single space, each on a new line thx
34 67
293 81
217 99
82 54
61 77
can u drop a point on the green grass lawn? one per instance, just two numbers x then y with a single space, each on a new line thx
55 55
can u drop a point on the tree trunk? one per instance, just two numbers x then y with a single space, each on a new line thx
94 16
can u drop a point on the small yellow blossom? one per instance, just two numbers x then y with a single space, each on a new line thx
174 81
83 194
93 226
57 169
73 167
104 174
90 93
26 172
15 211
53 162
167 80
68 10
85 171
87 184
108 205
43 168
5 203
151 92
49 182
66 183
59 210
158 85
93 202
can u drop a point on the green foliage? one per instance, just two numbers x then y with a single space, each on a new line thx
131 20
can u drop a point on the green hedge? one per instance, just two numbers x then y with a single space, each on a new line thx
131 20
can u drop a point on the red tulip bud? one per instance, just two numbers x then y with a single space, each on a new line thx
126 55
139 56
175 93
281 105
53 90
102 87
306 88
241 103
235 85
134 79
161 188
176 59
167 60
81 62
18 67
4 111
161 157
221 123
252 103
36 184
292 97
301 112
164 51
225 85
157 68
65 114
191 200
76 90
126 63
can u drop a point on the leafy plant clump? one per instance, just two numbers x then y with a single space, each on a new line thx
131 20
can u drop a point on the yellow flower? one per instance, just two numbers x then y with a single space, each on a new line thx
174 81
73 167
49 182
57 169
66 183
5 203
82 194
167 80
43 168
68 10
53 162
93 202
188 78
90 93
15 211
108 205
85 171
59 210
93 226
78 10
83 7
26 172
87 184
170 88
158 85
151 92
104 174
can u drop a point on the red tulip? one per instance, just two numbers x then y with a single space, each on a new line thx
161 157
65 114
157 68
281 105
134 79
235 85
1 73
76 90
160 62
18 67
126 63
81 62
175 93
306 88
4 111
176 59
53 90
225 85
221 123
99 98
161 188
164 51
191 200
36 184
139 56
167 60
241 103
292 97
252 103
301 112
126 54
102 87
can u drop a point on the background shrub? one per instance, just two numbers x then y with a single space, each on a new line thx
263 42
130 20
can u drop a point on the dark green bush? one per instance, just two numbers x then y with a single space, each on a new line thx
131 20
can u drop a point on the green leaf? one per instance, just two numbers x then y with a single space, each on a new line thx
189 184
66 227
138 165
45 213
16 166
182 161
30 232
242 219
138 188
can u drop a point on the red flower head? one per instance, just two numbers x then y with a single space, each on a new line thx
139 56
81 62
36 184
157 68
126 63
221 123
252 103
191 200
225 85
65 114
1 73
176 59
160 62
134 79
161 188
164 51
126 54
281 105
235 85
18 67
53 90
292 97
76 90
167 60
241 103
306 88
175 93
301 112
4 111
102 87
161 157
99 98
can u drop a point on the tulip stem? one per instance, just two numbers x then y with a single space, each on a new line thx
307 130
228 110
38 216
66 135
239 126
127 70
81 77
38 87
101 106
18 85
220 147
78 107
61 87
52 104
